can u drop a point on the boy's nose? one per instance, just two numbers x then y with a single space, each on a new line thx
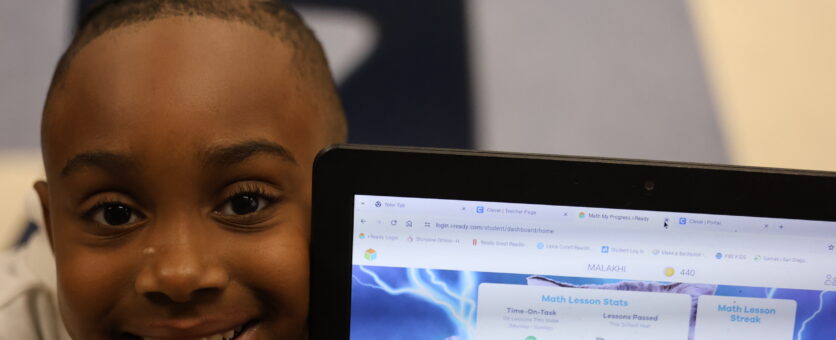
180 273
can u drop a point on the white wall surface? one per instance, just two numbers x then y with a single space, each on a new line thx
592 77
33 34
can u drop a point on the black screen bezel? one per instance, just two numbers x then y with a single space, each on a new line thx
341 172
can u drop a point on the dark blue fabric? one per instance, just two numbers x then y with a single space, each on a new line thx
31 229
415 87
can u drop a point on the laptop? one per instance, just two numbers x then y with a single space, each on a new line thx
422 244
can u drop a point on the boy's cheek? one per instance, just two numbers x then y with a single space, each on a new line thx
287 285
89 282
279 267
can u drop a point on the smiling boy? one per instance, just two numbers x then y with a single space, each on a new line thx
178 139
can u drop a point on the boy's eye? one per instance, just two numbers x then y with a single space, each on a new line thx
115 214
243 204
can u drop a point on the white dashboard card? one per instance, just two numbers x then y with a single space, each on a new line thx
727 317
536 312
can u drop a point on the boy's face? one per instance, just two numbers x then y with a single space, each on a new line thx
179 157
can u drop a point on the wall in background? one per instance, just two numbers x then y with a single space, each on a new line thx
33 35
743 82
595 77
771 65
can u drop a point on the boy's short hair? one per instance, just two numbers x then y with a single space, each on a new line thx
271 16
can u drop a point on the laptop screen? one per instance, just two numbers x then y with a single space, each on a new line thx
457 270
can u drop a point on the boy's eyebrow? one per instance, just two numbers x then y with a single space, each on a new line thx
230 154
218 156
101 159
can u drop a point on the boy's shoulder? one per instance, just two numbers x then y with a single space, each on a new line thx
27 296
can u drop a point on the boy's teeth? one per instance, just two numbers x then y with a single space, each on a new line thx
222 336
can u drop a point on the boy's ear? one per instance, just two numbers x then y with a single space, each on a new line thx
43 194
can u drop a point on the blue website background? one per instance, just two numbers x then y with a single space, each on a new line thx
422 304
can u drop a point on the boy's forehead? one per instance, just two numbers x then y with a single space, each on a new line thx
178 57
179 74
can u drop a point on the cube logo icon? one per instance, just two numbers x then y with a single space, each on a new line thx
370 254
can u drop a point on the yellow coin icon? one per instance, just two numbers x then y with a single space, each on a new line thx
669 271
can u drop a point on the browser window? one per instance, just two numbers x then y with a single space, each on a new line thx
456 270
